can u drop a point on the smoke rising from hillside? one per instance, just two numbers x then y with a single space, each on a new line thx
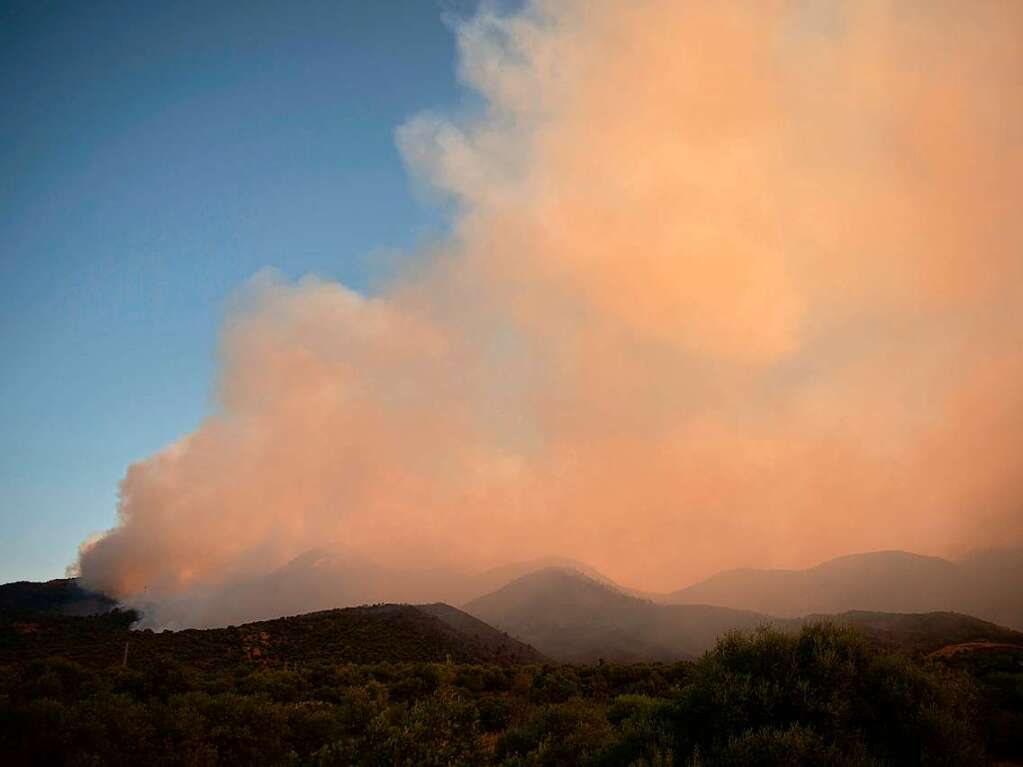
729 284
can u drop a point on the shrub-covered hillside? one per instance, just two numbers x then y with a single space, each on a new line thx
368 634
61 595
822 697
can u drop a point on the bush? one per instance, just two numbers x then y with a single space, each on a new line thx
559 734
825 687
794 746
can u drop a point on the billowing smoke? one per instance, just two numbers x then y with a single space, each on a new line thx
729 283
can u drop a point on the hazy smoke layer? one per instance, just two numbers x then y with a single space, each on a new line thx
731 283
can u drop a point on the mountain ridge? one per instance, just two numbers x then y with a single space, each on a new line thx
885 581
365 634
573 618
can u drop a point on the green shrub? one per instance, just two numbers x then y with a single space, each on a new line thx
794 746
826 685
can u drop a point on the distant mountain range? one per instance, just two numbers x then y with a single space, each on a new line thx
552 614
325 579
563 609
986 584
573 618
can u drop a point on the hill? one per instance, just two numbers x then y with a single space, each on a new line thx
983 584
370 634
61 595
574 618
924 633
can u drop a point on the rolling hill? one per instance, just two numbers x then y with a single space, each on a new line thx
369 634
923 633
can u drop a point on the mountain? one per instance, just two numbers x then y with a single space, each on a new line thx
985 584
574 618
322 579
368 634
61 595
982 584
990 585
490 580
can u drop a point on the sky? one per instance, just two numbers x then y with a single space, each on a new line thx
153 157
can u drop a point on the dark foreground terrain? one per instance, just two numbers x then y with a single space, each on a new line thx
824 697
433 685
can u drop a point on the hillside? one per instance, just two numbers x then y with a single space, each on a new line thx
352 635
891 710
573 618
489 643
314 581
983 584
923 633
61 595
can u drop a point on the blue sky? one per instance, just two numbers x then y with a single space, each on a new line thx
153 156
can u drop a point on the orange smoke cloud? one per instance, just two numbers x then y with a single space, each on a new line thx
730 284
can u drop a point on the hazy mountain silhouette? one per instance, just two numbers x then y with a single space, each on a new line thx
572 617
985 584
617 622
564 614
324 579
493 579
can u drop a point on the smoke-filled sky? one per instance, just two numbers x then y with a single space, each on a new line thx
726 284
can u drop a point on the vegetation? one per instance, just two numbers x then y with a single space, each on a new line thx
369 634
919 633
824 696
998 672
61 595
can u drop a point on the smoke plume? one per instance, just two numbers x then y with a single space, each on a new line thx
729 283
